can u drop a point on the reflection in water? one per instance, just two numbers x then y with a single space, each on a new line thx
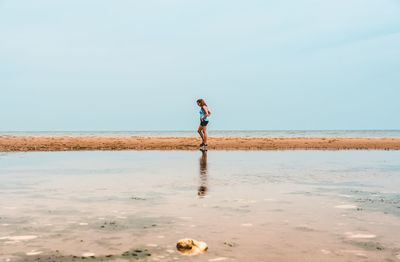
203 188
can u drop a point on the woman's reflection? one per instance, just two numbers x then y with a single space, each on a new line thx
203 188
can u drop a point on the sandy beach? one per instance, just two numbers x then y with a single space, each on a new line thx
71 143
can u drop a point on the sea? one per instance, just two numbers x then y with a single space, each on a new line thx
221 133
245 205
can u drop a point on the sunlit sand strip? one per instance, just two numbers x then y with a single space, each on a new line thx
359 253
359 235
88 254
218 259
56 143
346 206
33 253
18 238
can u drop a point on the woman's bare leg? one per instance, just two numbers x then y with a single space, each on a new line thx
205 136
200 131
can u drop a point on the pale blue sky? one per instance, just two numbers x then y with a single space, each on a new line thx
140 65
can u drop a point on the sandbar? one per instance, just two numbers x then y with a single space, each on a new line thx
77 143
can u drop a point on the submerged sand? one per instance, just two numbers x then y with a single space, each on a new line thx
247 206
67 143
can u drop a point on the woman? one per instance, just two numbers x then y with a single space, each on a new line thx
204 114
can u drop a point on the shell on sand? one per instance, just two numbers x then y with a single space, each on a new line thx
88 254
191 247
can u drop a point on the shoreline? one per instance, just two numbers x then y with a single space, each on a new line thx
99 143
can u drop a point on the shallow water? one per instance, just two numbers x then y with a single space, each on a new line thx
253 206
220 133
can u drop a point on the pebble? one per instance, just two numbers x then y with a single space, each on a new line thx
229 244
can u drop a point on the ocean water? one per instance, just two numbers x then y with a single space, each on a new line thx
220 133
247 206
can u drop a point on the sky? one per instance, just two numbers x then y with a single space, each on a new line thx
140 65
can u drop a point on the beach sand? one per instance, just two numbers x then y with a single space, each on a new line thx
71 143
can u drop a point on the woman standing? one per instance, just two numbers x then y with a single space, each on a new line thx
202 130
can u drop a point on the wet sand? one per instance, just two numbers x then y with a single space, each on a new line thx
58 143
247 206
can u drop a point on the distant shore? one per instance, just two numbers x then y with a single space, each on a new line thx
77 143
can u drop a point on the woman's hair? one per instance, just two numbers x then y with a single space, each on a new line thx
201 102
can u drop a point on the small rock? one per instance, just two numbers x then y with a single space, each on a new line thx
229 244
191 247
137 198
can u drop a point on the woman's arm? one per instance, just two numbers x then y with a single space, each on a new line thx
207 113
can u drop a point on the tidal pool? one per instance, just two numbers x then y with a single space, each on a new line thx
247 206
